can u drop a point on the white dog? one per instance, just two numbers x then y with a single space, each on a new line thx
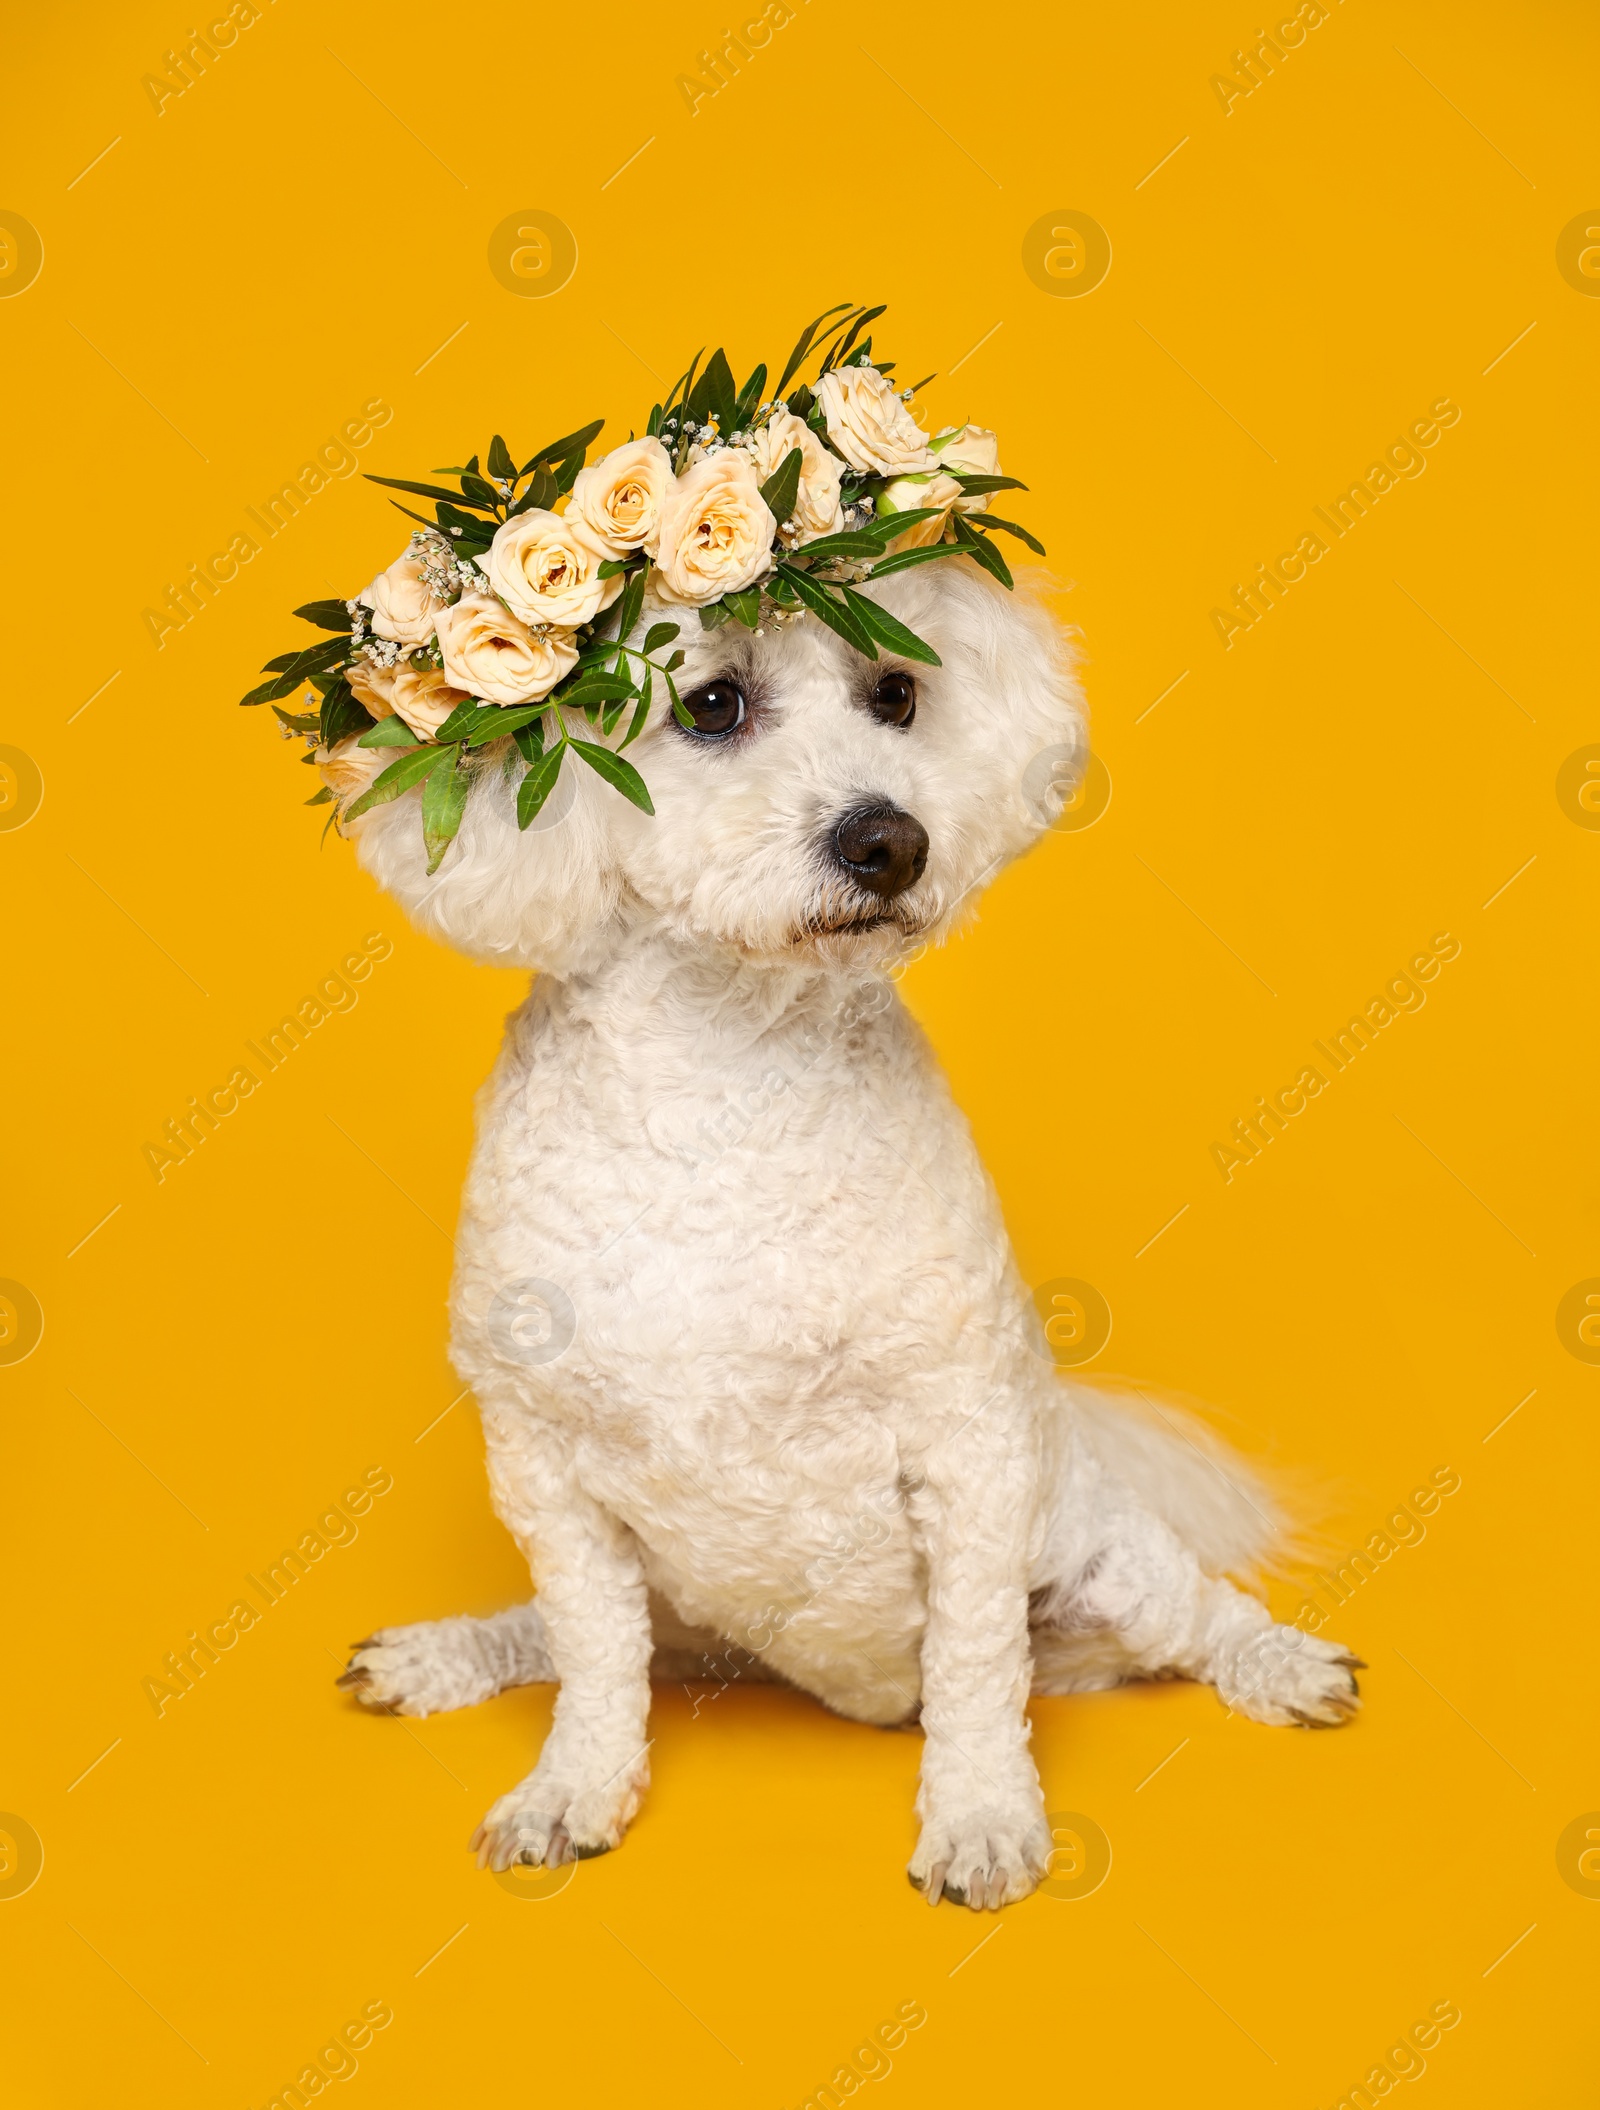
759 1376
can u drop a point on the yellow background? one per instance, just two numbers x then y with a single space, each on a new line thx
300 232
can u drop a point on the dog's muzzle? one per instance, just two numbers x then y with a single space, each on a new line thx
882 849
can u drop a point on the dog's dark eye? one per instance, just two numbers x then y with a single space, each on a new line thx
717 708
894 699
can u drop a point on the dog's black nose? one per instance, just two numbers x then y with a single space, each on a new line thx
882 849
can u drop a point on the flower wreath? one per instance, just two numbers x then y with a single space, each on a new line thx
506 618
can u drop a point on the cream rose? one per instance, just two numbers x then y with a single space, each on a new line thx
349 768
975 451
402 603
372 686
618 498
424 699
972 449
546 568
489 654
716 531
869 424
816 510
910 494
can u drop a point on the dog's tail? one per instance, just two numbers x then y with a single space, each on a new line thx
1224 1510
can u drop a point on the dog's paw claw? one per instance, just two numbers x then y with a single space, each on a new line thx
1292 1677
983 1861
546 1820
416 1670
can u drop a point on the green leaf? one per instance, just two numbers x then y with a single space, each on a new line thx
542 492
833 613
841 545
714 615
982 551
903 559
714 393
431 525
476 492
399 483
972 485
475 723
595 685
538 784
529 739
866 316
500 721
444 800
390 732
778 589
570 443
290 669
680 388
342 715
611 566
1010 527
320 798
745 607
749 397
798 356
636 723
304 722
464 714
886 526
659 634
782 487
622 774
468 537
629 603
399 777
327 615
310 659
888 631
500 462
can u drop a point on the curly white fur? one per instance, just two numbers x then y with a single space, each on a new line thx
734 1292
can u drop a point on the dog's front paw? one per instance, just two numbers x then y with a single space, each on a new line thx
985 1857
1288 1677
555 1816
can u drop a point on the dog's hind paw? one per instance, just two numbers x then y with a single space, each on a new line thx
984 1859
1287 1677
547 1819
441 1664
415 1670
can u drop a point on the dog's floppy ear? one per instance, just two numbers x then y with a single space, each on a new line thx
1037 683
547 897
1014 738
